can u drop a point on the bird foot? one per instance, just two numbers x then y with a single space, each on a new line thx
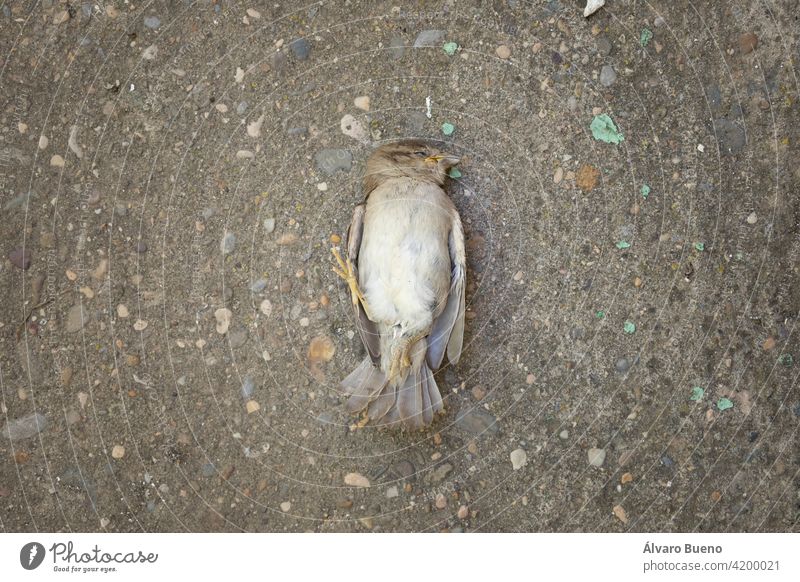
345 271
401 356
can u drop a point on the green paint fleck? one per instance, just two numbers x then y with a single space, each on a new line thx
699 246
454 173
645 191
450 48
600 314
629 327
739 256
786 359
647 36
697 393
603 129
724 404
623 244
448 128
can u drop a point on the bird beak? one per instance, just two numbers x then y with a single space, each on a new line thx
448 159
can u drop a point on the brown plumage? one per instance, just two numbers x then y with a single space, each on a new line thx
406 268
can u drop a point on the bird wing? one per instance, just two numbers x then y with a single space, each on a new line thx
447 332
366 327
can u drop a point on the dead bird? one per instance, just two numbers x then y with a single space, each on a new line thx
406 270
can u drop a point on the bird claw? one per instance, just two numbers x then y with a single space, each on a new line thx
345 271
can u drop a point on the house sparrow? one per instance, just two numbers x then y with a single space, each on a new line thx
406 270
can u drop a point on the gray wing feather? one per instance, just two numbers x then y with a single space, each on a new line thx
447 332
366 327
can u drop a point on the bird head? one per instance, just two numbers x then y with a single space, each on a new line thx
408 159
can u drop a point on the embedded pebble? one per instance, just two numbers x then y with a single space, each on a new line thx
607 75
20 258
286 506
564 434
622 365
118 451
25 427
254 127
519 458
258 285
330 161
150 53
152 22
76 318
429 38
352 127
266 307
503 51
477 421
228 243
122 311
596 457
57 161
140 325
300 48
223 317
748 42
356 480
440 473
392 492
362 102
43 142
752 218
253 13
463 512
252 406
441 501
269 225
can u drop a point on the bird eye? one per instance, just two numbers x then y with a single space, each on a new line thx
421 154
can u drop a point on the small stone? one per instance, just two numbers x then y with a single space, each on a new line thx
223 317
477 421
118 451
351 127
441 501
607 75
43 142
564 434
266 307
25 427
769 344
228 243
752 218
392 492
356 480
20 258
330 161
463 512
253 13
57 161
300 48
286 506
619 511
558 176
287 239
440 473
322 186
252 406
152 22
397 48
140 325
269 225
362 102
429 38
586 177
141 247
748 42
519 458
503 51
478 393
258 285
622 365
150 53
76 318
254 127
626 478
122 311
597 457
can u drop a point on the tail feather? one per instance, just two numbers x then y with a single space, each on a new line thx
412 402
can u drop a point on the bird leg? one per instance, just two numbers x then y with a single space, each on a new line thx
345 271
401 355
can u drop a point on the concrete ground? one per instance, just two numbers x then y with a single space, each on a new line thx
172 335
